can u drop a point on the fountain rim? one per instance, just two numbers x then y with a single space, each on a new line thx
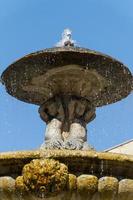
74 49
114 163
58 50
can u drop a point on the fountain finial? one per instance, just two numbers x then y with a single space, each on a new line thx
66 39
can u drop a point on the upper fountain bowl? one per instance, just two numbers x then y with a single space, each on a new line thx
68 70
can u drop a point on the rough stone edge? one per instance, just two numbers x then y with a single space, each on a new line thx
65 153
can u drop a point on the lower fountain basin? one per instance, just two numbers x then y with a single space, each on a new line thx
90 175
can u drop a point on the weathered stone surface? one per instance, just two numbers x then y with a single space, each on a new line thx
68 109
7 188
77 137
43 177
53 136
87 185
72 182
108 188
7 183
77 162
76 71
66 114
125 189
20 185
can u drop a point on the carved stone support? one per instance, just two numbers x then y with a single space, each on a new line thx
66 118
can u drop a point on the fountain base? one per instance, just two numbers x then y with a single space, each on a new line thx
67 175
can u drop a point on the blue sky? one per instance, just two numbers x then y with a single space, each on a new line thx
28 26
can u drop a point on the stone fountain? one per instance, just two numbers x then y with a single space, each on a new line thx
68 83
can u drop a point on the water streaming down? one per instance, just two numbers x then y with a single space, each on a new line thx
68 84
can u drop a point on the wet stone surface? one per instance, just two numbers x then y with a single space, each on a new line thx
69 179
72 70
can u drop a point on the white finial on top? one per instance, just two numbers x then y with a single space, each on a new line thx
66 39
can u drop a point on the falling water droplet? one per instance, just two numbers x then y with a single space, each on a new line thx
92 168
102 169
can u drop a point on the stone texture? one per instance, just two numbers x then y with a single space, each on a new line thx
7 183
20 185
37 77
87 186
68 109
83 187
108 188
125 189
43 177
72 183
66 114
118 165
7 188
77 137
53 136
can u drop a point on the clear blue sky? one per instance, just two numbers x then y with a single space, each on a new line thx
30 25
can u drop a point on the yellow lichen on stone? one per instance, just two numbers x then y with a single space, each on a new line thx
44 177
108 184
72 182
108 188
87 184
19 184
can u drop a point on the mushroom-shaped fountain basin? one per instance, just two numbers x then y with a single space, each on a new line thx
40 76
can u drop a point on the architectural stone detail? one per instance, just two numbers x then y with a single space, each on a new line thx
43 177
72 182
125 189
48 178
87 184
53 136
108 187
66 118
